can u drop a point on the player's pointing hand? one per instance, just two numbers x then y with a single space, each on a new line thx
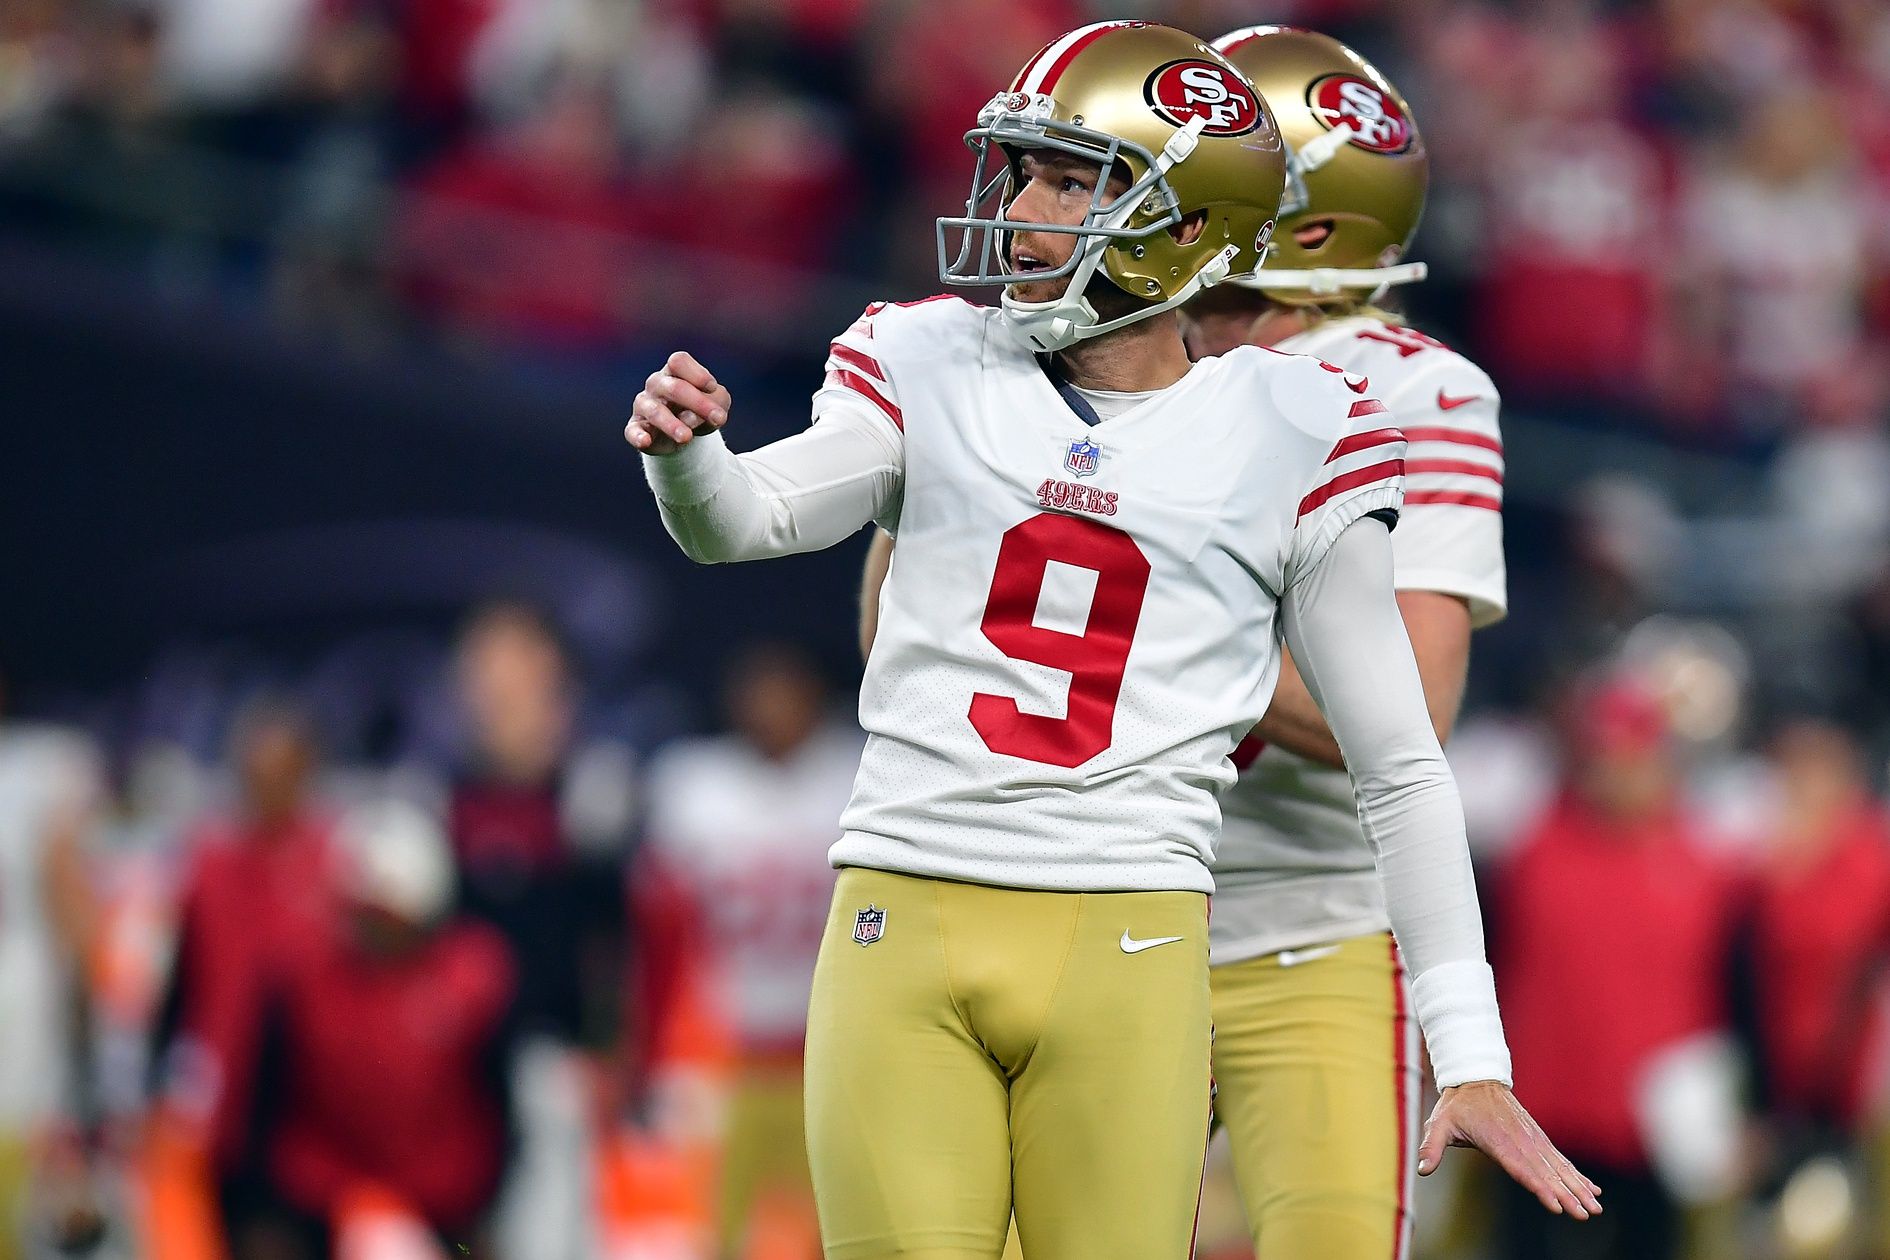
680 400
1486 1115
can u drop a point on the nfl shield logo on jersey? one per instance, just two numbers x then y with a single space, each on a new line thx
1082 456
869 925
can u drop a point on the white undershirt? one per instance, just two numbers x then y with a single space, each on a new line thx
1110 403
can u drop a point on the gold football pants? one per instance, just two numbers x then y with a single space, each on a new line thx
990 1048
1315 1060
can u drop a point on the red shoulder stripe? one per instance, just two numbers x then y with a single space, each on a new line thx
1462 437
864 387
1366 407
1364 441
1457 498
1461 466
866 364
1351 481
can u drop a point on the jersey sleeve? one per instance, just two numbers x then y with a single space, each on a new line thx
804 492
859 377
1343 628
1362 468
1450 537
860 383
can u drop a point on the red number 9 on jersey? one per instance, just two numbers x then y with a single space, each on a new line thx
1094 659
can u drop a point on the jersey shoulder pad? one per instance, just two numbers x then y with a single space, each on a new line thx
928 327
1319 400
892 342
1388 354
1450 390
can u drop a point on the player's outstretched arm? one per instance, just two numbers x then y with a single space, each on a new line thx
1342 623
1439 629
800 494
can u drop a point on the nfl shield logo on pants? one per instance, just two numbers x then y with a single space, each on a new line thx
1081 458
869 925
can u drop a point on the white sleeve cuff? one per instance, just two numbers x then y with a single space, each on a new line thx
691 475
1456 1008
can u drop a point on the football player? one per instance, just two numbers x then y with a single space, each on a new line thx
1101 543
1312 1037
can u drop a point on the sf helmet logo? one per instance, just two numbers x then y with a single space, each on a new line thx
1182 91
1377 124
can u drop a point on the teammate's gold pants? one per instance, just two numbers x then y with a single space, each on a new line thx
765 1198
995 1045
1316 1066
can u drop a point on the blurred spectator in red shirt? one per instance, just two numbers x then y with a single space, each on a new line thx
758 204
527 236
535 864
1570 300
393 1040
927 87
439 40
1816 934
1611 931
255 894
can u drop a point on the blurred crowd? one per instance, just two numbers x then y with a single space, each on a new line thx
542 996
536 1000
1672 209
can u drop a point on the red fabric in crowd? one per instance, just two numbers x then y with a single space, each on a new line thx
438 39
1610 950
389 1078
1570 296
496 826
255 896
502 243
1818 932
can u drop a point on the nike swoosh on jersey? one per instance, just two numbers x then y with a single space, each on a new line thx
1446 403
1294 957
1132 946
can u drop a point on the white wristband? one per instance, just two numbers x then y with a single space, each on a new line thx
1456 1008
691 475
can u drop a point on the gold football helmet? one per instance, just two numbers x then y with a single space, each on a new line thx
1356 165
1190 132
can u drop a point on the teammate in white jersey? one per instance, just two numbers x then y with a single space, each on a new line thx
1311 1033
1011 1006
742 822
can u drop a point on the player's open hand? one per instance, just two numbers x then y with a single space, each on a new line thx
1486 1115
680 400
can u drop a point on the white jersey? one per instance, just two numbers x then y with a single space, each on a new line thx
43 771
748 836
1294 868
1082 621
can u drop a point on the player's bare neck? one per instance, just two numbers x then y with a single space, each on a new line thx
1145 355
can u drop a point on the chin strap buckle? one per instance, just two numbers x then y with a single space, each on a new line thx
1314 154
1217 267
1181 144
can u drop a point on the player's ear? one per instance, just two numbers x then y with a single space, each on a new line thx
1188 231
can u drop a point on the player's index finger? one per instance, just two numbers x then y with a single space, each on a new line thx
683 365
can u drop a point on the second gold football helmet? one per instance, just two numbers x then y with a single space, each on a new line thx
1356 166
